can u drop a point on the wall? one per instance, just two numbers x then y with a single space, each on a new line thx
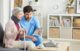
1 11
46 7
11 7
4 12
51 7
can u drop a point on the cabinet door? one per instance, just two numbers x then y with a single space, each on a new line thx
76 33
17 3
54 32
66 33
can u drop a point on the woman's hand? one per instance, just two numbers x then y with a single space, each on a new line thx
22 32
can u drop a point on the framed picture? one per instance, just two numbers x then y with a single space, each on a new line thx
78 6
17 3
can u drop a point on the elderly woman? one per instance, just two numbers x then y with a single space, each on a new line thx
13 32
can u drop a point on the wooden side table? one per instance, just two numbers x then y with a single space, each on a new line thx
62 46
45 49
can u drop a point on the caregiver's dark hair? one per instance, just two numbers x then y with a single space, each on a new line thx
28 9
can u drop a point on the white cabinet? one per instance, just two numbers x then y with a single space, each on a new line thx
63 26
66 33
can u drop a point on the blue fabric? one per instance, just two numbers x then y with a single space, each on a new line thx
37 42
39 39
30 27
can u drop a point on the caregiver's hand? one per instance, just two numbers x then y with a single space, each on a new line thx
38 31
34 39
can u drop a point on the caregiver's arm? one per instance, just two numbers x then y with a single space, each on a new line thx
31 37
38 31
22 36
37 26
22 32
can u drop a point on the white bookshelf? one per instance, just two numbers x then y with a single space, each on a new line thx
66 26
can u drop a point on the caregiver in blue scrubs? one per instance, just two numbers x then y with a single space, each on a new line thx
31 24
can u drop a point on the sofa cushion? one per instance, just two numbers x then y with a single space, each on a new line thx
10 49
1 35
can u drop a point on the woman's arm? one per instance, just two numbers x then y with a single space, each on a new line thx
9 36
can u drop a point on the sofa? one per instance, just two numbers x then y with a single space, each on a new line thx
2 48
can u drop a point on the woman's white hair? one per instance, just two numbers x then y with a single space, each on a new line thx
16 10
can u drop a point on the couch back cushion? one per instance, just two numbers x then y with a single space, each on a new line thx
1 34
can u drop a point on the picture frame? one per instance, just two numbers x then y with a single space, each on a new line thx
78 6
17 3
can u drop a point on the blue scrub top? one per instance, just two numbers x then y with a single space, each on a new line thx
31 25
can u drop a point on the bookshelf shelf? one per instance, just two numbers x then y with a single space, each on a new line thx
54 26
76 27
62 39
66 26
